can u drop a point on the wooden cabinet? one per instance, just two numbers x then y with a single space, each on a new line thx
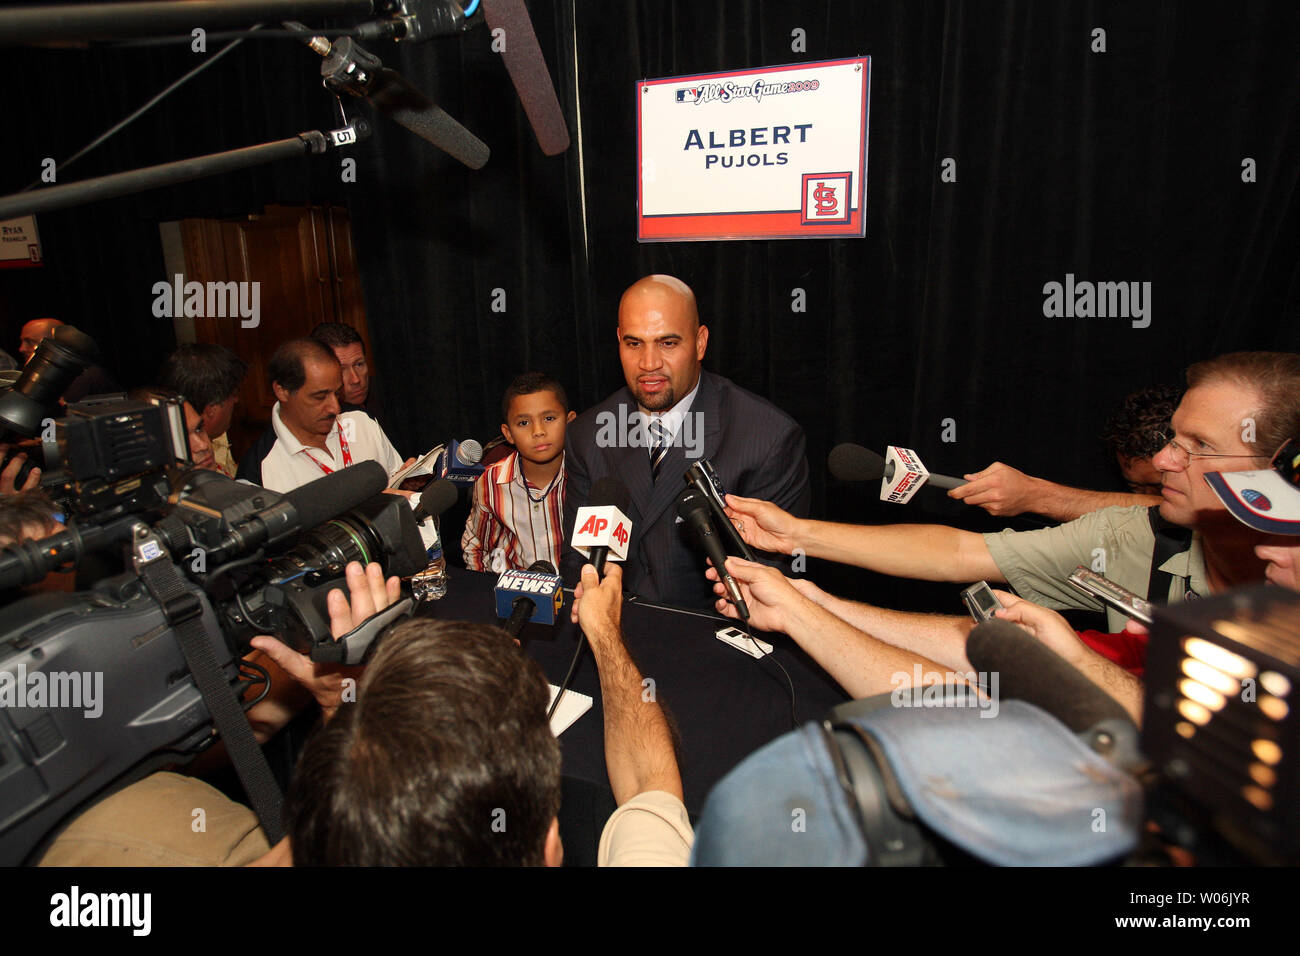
303 259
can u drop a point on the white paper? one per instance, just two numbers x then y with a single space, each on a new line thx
573 706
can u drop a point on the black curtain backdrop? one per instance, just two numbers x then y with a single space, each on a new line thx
1117 166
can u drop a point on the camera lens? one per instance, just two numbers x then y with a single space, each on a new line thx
324 552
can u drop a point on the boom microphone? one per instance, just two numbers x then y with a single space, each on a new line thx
693 508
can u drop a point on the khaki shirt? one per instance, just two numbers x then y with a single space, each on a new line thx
651 829
1116 542
152 823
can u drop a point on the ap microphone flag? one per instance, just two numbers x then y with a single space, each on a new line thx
602 526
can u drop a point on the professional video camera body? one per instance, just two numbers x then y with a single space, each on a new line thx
99 687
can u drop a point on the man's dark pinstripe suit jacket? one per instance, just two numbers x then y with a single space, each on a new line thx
757 450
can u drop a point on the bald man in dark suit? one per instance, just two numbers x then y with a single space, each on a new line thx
670 413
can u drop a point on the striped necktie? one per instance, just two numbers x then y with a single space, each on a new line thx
658 446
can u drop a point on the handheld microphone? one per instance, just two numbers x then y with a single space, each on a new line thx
533 596
460 463
850 462
693 508
901 471
702 475
904 475
602 527
435 498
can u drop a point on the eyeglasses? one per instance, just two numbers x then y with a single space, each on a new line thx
1182 457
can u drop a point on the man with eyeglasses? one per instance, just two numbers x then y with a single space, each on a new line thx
1236 406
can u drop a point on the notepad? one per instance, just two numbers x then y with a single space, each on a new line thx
573 706
421 466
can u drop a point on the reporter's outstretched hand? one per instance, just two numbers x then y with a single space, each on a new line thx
774 602
1046 625
762 524
999 489
369 594
598 602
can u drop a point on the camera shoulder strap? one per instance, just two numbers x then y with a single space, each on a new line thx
1171 539
184 613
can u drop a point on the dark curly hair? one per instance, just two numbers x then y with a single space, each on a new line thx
1139 427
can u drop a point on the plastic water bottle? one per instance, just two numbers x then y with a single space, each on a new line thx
431 583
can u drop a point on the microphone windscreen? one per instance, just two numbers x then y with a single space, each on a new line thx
469 452
692 502
393 96
438 496
329 496
1029 670
542 567
523 58
609 491
849 462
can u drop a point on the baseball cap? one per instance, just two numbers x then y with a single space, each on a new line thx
1268 500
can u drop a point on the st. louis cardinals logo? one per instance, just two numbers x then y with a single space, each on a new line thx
826 197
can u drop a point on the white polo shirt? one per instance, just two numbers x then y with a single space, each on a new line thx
290 464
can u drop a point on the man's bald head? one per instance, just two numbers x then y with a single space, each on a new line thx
32 333
660 341
665 291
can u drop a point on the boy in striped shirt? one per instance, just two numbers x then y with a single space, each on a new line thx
518 512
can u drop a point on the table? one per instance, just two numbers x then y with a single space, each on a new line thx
723 705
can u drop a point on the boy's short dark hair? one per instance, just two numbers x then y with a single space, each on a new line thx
337 335
445 759
527 384
204 373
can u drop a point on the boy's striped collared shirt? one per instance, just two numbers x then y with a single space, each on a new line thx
505 516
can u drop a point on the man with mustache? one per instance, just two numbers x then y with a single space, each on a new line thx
311 436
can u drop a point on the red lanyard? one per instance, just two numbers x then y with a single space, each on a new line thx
343 446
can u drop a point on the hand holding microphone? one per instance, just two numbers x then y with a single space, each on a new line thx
762 524
773 601
1000 490
602 527
599 609
694 510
